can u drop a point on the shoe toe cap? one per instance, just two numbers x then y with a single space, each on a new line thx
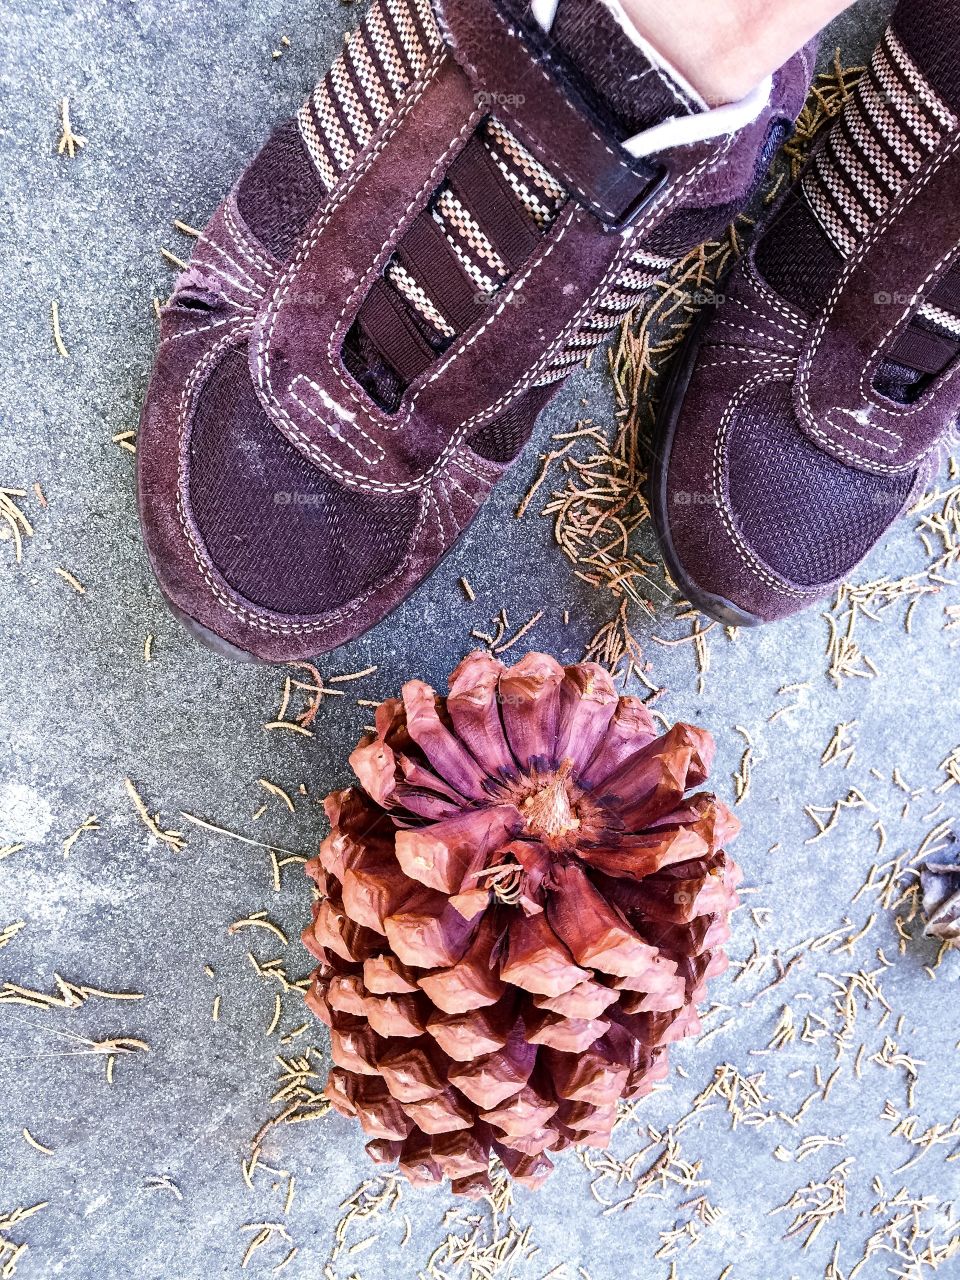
246 535
807 517
759 518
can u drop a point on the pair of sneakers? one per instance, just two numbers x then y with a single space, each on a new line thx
468 204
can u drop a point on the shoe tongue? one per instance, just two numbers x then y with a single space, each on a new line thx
608 69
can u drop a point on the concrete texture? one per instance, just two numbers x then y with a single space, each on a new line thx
173 98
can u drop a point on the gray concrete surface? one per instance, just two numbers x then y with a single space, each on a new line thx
173 98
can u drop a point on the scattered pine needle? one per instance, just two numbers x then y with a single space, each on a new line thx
354 675
172 839
15 525
37 1146
173 259
71 581
70 142
10 931
88 824
57 332
274 790
285 725
259 921
233 835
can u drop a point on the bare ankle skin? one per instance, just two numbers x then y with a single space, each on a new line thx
725 48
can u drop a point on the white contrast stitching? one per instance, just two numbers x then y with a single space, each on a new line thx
808 358
753 564
782 364
204 328
332 429
259 619
336 336
924 286
799 334
212 246
247 245
553 165
771 298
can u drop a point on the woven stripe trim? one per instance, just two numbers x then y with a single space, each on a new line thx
943 320
533 186
378 63
893 122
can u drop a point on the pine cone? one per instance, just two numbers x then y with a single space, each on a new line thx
940 884
519 909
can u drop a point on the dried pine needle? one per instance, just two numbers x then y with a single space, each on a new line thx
10 931
172 839
89 824
70 995
350 676
162 1182
524 630
274 790
277 1013
233 835
58 341
15 525
266 1232
70 142
259 921
288 727
173 260
71 581
31 1141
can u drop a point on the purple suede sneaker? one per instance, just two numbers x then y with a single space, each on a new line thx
815 400
370 325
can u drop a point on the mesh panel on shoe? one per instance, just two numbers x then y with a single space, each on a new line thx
282 533
808 517
796 259
503 438
280 192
